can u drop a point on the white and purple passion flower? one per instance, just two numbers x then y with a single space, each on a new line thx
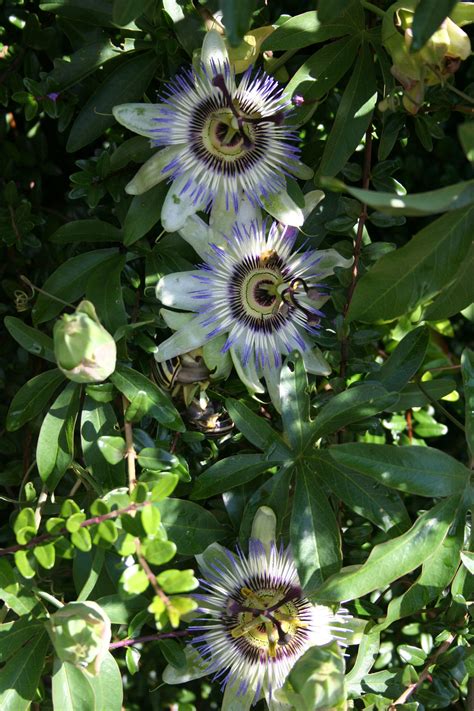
254 295
256 620
218 138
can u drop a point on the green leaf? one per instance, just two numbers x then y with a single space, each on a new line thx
411 395
143 213
86 231
295 401
75 690
30 339
158 552
453 197
98 559
428 17
45 555
228 473
316 681
320 72
20 676
105 291
314 533
405 361
71 688
103 451
350 406
457 296
163 486
126 83
436 574
150 518
67 283
306 29
392 559
466 137
127 10
130 382
468 561
401 280
16 634
254 428
417 470
329 9
367 498
82 63
54 450
134 580
112 448
81 539
107 686
190 526
272 493
467 368
177 581
32 398
353 115
236 18
157 459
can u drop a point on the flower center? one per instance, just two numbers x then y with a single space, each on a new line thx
223 137
259 293
266 618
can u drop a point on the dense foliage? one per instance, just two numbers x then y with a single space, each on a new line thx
109 489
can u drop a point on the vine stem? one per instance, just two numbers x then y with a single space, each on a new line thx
88 522
130 454
357 246
403 698
148 638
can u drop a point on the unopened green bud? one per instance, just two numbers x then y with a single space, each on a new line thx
264 527
85 352
80 632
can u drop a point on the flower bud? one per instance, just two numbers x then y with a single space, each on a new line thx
80 633
85 352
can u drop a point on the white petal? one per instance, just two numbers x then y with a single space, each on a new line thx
139 118
284 209
183 341
153 171
247 373
220 364
222 221
178 206
300 170
315 362
176 319
176 290
233 701
213 52
330 258
311 200
195 668
197 234
272 381
215 554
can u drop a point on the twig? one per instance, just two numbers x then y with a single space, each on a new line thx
403 698
357 245
150 575
148 638
88 522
